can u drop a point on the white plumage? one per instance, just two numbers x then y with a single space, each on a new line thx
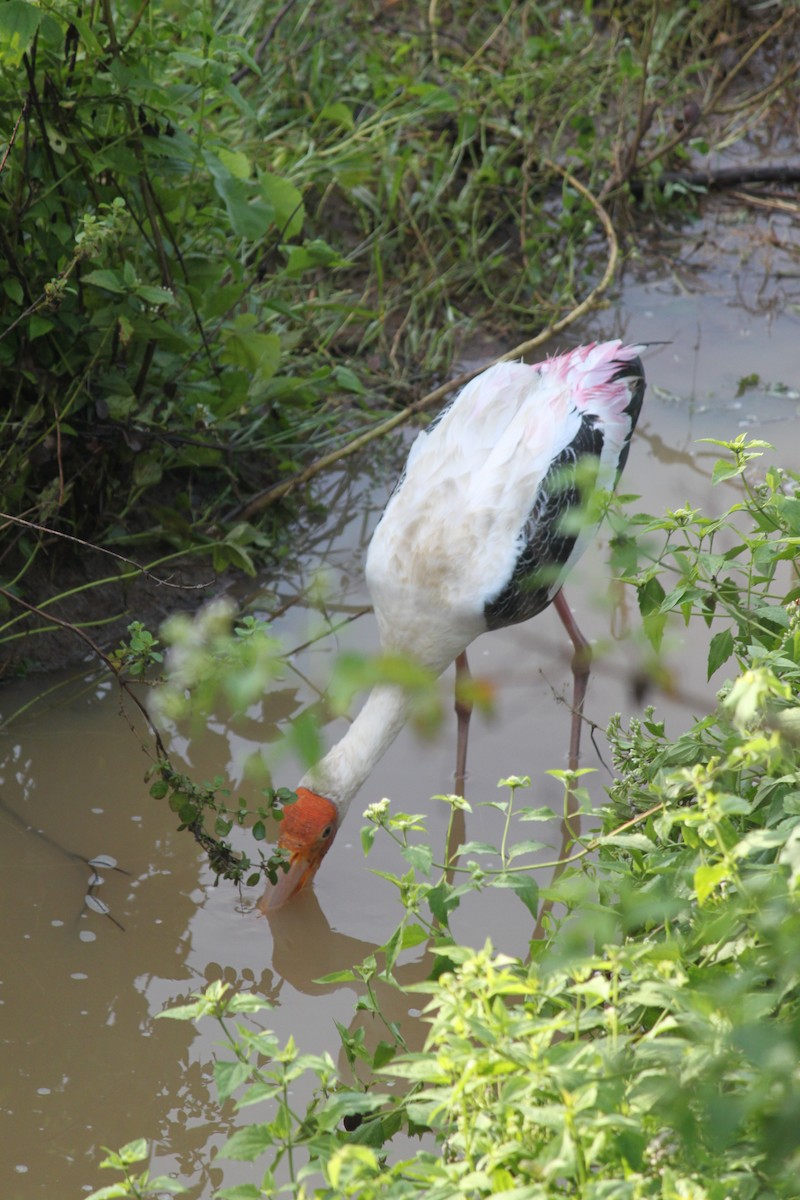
479 533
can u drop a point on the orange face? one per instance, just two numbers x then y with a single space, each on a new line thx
307 832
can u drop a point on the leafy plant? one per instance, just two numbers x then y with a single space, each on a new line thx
649 1046
737 571
135 1186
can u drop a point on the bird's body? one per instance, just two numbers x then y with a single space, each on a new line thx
479 533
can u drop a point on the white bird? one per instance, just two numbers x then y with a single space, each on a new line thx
488 518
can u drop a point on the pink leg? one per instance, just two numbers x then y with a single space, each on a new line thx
581 663
463 708
457 831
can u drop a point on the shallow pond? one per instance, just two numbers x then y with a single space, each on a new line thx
84 1063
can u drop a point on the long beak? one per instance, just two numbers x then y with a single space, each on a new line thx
307 831
302 869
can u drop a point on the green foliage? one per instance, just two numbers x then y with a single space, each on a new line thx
137 656
737 571
139 1186
648 1047
212 662
127 311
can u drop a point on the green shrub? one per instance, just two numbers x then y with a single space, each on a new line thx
649 1047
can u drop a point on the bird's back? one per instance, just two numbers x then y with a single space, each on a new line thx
474 536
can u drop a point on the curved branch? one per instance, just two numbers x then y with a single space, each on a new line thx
263 499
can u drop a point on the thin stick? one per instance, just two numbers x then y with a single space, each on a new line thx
68 537
92 644
23 112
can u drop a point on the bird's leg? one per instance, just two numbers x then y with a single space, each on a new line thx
581 664
463 708
457 832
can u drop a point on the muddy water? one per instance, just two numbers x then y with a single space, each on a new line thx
84 1064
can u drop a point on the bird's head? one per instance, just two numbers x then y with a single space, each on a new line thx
307 832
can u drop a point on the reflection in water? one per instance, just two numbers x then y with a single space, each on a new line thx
85 1065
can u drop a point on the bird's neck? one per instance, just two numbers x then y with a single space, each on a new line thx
343 770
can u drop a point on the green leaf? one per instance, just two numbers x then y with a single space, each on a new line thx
477 848
339 113
39 326
419 857
628 841
524 848
184 1012
442 899
127 1155
526 888
248 1002
163 1183
726 470
154 295
337 977
720 650
435 97
706 879
348 380
346 1104
18 24
413 935
287 204
13 289
650 595
391 948
249 214
246 1144
384 1053
148 469
259 353
112 281
236 162
229 1076
310 256
304 737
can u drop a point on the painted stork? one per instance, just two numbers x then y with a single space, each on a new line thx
480 532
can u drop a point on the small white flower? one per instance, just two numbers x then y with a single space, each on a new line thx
377 812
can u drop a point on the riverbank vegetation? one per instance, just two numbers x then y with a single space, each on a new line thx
239 237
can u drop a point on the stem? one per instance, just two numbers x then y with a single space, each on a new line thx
506 827
395 1033
289 1143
